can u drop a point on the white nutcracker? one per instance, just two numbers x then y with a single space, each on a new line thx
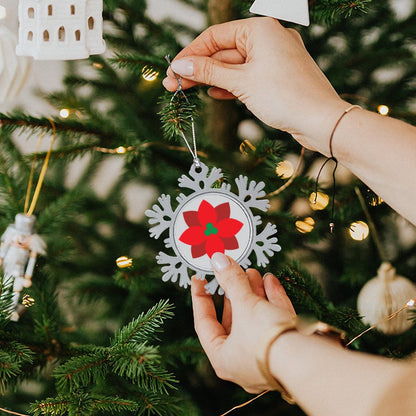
60 30
19 249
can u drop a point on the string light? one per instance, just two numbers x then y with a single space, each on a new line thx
123 262
285 169
359 230
98 65
64 113
306 225
3 12
383 110
27 301
318 201
149 74
121 150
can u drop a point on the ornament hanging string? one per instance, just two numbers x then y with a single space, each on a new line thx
32 173
38 188
179 90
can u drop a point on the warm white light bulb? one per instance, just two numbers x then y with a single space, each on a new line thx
64 113
149 74
318 201
3 12
306 225
383 110
285 169
121 149
359 230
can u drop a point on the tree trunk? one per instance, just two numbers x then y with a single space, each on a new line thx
222 116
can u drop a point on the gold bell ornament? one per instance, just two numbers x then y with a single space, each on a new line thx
382 296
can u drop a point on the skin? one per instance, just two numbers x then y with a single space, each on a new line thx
267 67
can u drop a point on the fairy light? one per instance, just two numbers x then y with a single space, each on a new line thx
285 169
306 225
383 110
28 301
123 262
98 65
318 201
149 74
64 113
121 150
3 12
359 230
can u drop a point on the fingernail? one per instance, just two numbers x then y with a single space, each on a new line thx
183 67
267 274
220 261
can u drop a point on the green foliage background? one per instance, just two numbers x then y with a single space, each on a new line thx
88 346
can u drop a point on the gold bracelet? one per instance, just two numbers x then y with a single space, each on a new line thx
305 326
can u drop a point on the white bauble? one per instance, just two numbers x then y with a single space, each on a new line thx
13 69
384 295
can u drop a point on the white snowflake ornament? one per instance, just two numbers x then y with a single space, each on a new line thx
295 11
60 30
211 220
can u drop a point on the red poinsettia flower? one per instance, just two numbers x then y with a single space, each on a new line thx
210 229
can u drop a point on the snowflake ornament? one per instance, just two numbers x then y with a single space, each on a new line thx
211 220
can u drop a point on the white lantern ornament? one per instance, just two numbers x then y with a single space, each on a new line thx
382 296
13 70
60 30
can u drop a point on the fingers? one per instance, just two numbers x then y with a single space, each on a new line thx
220 94
231 277
276 293
256 282
210 332
229 56
216 38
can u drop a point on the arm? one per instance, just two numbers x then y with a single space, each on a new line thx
268 68
324 378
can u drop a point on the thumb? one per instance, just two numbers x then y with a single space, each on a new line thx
230 276
207 71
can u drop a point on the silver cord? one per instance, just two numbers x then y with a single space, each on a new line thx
179 90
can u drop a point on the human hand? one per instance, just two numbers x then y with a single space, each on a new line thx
267 67
251 307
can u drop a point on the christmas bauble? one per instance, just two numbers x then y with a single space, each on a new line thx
13 70
383 295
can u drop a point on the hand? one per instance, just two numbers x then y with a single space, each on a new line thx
267 67
252 306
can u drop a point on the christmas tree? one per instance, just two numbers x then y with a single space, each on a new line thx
102 334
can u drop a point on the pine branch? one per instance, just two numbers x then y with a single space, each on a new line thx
178 111
137 63
143 327
17 121
332 10
6 301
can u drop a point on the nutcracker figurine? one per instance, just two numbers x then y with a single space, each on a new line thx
18 252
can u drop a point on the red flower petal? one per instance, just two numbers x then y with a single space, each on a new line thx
214 245
193 236
228 227
206 214
191 218
230 243
198 251
223 211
